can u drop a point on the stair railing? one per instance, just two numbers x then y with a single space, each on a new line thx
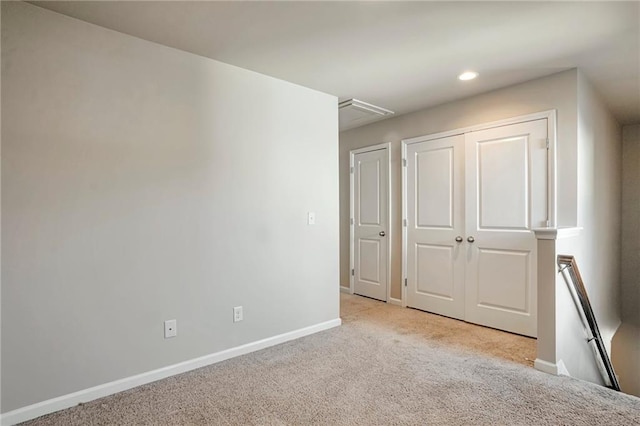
568 264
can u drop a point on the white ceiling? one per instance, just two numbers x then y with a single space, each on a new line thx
403 56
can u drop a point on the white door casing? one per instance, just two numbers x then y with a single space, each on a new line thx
508 188
370 222
435 216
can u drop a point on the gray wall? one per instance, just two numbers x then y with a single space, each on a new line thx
631 225
558 91
626 343
141 183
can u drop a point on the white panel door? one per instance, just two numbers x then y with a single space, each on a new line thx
371 192
435 226
506 196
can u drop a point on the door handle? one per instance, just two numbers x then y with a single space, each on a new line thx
471 239
381 233
458 239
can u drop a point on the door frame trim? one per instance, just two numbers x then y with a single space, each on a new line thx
352 154
550 115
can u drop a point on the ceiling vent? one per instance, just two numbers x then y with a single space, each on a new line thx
355 113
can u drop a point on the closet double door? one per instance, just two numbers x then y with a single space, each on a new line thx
471 203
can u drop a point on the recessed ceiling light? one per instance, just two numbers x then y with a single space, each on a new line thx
468 75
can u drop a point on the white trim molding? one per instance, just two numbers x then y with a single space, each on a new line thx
394 301
557 369
65 401
562 369
545 366
345 290
556 233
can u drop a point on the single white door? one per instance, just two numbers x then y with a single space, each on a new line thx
371 191
435 226
506 196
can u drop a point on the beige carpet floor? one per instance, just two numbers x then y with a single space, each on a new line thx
384 366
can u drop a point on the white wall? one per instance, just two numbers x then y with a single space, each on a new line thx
576 355
558 91
597 249
563 345
599 206
141 183
563 331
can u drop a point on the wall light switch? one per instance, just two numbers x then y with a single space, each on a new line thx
311 218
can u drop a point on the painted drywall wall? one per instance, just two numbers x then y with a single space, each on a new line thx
596 248
599 205
141 183
626 342
558 91
630 255
625 356
576 355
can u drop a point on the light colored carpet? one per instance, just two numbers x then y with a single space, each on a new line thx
385 366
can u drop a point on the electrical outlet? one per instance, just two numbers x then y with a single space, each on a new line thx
237 314
311 218
170 328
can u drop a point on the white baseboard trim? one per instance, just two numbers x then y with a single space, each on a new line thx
562 369
557 369
545 366
60 403
345 290
396 302
607 337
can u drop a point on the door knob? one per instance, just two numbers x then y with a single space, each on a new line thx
458 239
471 239
382 234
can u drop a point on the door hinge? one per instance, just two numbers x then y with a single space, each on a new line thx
404 222
351 170
404 162
405 282
547 143
353 272
351 221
